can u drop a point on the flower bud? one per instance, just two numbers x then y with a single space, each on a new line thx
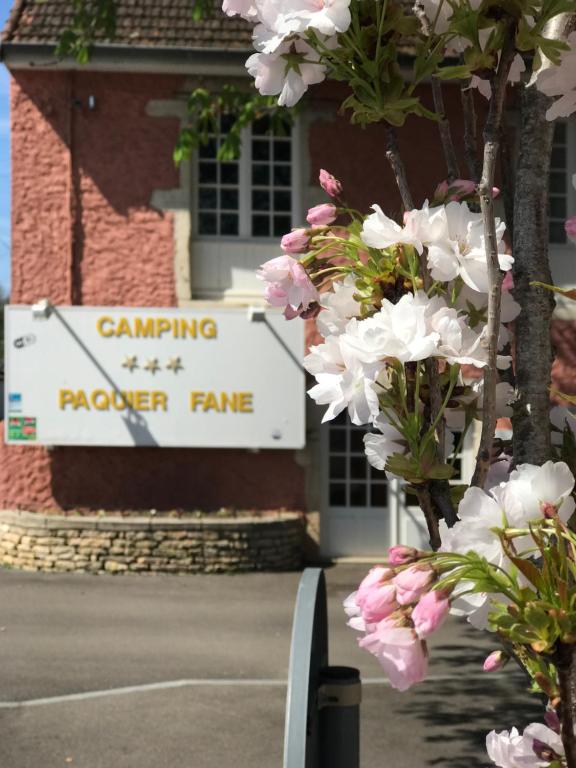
401 555
295 241
552 720
322 215
412 583
570 227
430 612
329 184
494 661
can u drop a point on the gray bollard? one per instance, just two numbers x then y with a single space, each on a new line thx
339 697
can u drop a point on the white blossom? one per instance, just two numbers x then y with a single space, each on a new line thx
509 749
560 81
287 72
462 250
338 307
379 447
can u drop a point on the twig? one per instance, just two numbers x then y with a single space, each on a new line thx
565 661
445 133
397 165
492 131
470 138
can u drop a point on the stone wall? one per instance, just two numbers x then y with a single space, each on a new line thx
36 542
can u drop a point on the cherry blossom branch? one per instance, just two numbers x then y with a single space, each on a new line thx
398 169
492 131
433 497
445 133
470 137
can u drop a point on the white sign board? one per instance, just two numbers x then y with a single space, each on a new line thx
201 377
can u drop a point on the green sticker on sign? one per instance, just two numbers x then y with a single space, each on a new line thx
22 428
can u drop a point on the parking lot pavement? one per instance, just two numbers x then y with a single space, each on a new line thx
147 672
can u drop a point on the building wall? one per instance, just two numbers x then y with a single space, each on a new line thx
84 232
102 217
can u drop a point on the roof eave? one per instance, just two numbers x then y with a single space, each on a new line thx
129 58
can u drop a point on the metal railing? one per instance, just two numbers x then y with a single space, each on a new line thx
323 703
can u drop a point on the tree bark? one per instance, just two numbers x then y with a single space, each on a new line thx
533 347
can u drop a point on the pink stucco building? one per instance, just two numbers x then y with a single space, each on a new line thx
101 216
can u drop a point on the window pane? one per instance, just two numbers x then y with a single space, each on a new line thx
261 226
337 495
260 150
338 467
282 176
379 495
558 207
341 419
207 224
357 441
208 149
207 173
337 440
228 224
282 151
229 199
558 182
559 157
557 232
560 133
260 200
229 173
358 467
282 201
261 175
261 127
226 123
357 495
282 225
207 198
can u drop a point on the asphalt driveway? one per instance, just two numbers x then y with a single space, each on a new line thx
189 672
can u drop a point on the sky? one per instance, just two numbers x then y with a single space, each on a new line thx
4 164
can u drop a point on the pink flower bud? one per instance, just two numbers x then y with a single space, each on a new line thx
322 215
295 241
552 720
430 612
412 583
508 282
378 603
400 555
570 227
494 661
329 184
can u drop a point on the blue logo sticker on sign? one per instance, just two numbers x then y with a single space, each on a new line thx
14 402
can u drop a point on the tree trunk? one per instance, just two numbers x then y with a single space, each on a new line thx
533 347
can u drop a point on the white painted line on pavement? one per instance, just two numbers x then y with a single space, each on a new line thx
210 682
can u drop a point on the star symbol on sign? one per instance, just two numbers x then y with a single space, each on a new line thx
130 362
174 364
152 365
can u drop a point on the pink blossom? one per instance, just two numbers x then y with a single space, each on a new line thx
288 285
322 215
378 602
329 184
295 241
508 282
400 652
493 661
570 227
430 612
401 555
376 577
412 583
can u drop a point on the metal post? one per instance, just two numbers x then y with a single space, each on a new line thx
339 701
323 702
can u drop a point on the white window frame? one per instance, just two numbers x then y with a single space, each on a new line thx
567 248
245 191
